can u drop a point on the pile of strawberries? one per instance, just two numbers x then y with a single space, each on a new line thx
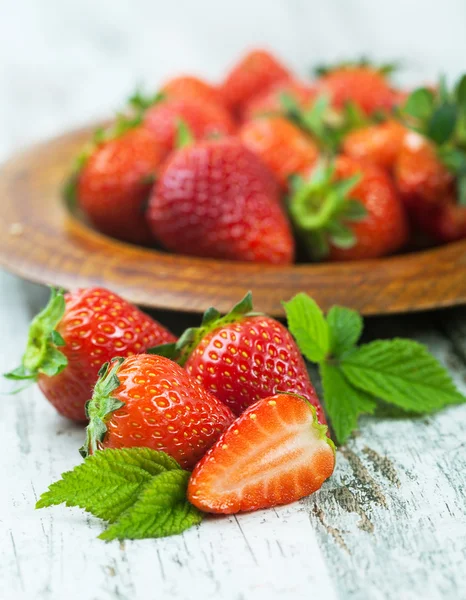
267 168
231 399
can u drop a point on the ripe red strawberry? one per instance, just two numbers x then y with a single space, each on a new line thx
275 453
114 184
444 223
203 119
283 147
421 178
254 73
74 335
217 199
349 211
150 401
379 144
242 357
365 86
272 100
187 87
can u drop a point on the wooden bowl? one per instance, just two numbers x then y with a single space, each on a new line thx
42 240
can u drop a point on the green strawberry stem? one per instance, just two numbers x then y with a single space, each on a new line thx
383 68
101 406
320 208
184 135
181 350
42 354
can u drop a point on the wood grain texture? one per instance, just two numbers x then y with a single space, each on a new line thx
389 525
41 240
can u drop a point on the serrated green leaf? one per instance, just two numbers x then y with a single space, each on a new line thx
401 372
343 402
109 481
162 509
308 326
442 123
345 329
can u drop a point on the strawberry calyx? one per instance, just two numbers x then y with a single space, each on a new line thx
42 355
181 350
320 208
326 125
385 69
124 121
440 116
101 405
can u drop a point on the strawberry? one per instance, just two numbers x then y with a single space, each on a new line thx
115 182
275 453
444 223
348 211
150 401
242 357
284 148
74 335
365 86
216 198
379 144
187 87
421 178
203 119
272 100
256 72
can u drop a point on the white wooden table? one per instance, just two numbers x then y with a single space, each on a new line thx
391 522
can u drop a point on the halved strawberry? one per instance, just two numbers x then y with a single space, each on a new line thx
275 453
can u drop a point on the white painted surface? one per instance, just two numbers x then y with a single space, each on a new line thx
391 523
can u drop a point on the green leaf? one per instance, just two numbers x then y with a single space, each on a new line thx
308 326
41 354
420 104
102 404
354 210
453 158
108 482
401 372
343 402
460 92
162 509
442 123
57 338
341 236
345 328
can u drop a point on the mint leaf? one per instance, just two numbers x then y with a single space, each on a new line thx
308 326
343 402
108 482
401 372
161 509
345 328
